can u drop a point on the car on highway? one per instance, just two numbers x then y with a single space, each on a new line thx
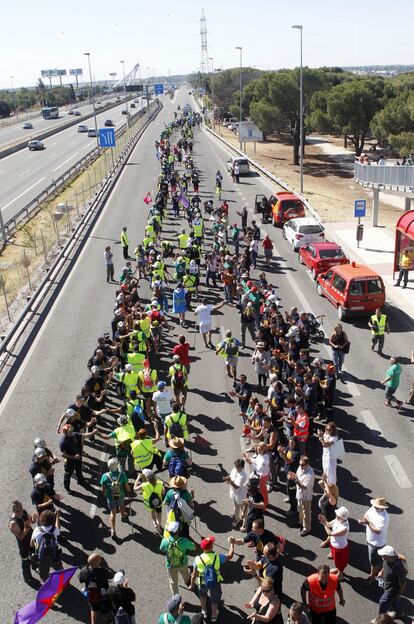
27 125
124 111
243 163
319 257
132 105
35 145
303 231
83 128
76 113
108 123
70 112
92 132
354 289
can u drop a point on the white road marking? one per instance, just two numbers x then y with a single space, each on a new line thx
52 155
371 422
24 173
86 146
65 161
50 144
21 194
398 471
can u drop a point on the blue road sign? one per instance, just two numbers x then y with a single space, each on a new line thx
107 137
360 207
158 89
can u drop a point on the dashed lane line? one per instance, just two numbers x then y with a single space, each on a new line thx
398 471
371 422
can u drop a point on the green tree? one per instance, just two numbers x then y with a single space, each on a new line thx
351 107
5 109
266 117
395 118
404 142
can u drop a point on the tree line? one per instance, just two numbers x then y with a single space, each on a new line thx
334 101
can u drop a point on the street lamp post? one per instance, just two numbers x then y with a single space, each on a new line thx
125 94
88 54
240 109
14 98
300 28
212 91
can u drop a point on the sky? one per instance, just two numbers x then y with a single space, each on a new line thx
164 35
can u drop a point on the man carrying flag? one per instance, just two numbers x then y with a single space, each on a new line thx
46 597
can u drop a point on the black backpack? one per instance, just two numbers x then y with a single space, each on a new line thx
47 546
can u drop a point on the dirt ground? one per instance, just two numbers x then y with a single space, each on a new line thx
328 175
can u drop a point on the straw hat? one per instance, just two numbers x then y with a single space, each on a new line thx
178 482
176 443
379 502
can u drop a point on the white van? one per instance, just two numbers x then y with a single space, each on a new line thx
243 163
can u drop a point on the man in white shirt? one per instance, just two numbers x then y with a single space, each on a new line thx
305 479
376 520
162 399
204 312
261 466
237 481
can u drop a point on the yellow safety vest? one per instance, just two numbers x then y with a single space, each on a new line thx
204 560
130 381
144 388
198 227
137 361
148 489
380 324
131 405
182 240
124 239
142 451
124 433
139 337
145 325
189 282
181 420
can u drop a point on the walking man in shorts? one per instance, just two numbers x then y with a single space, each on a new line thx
204 312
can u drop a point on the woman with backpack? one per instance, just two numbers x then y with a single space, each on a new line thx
179 379
176 459
180 506
176 424
44 541
152 495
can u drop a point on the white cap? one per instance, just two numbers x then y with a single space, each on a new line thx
342 512
387 551
70 412
128 367
173 527
95 369
39 478
40 452
113 464
120 324
119 578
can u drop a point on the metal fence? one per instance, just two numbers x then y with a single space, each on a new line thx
395 177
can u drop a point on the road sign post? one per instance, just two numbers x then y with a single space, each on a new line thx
360 209
107 137
158 89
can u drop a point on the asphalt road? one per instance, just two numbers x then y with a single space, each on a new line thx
24 174
13 132
378 440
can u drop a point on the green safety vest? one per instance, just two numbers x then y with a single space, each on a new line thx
148 489
182 240
139 337
198 229
124 239
223 352
204 560
130 380
142 452
137 360
144 388
189 282
149 231
124 433
147 240
380 330
145 325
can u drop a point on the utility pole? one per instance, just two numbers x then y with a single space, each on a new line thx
300 28
240 108
93 98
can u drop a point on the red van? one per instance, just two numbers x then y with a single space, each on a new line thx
353 289
285 206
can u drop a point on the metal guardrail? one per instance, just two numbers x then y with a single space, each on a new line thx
30 209
50 280
394 178
267 173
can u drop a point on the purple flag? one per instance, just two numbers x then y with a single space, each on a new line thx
183 199
46 597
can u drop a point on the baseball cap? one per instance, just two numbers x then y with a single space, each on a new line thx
128 367
148 473
70 413
173 527
39 478
207 542
342 512
119 577
161 384
387 551
39 452
95 369
173 603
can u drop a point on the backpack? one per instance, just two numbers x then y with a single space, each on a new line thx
154 500
178 378
121 616
93 594
47 546
177 466
175 428
230 348
181 509
115 486
210 579
176 557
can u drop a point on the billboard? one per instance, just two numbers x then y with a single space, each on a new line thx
61 72
134 88
76 72
248 131
49 73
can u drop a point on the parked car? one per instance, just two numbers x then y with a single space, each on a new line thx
354 289
76 113
36 145
285 206
92 132
303 231
83 128
109 122
243 163
27 125
319 257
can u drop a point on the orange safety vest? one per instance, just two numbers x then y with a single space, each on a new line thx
322 600
302 433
